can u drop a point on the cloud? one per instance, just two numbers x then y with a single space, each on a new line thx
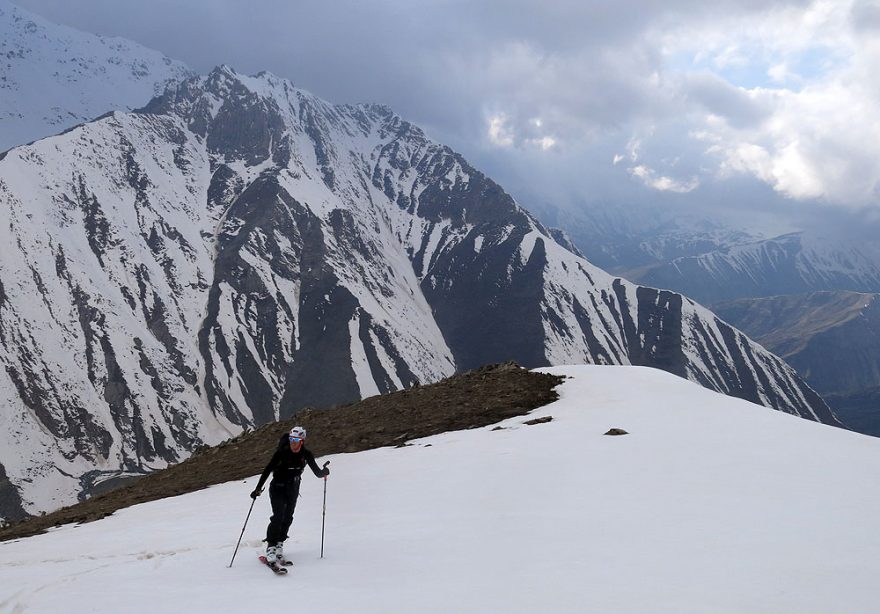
502 134
499 134
662 183
738 106
689 94
789 99
865 16
822 142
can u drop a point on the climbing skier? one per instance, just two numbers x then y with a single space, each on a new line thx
286 467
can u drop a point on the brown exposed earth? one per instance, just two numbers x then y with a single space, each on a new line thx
469 400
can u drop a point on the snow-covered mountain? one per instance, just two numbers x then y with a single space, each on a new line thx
53 77
624 240
770 288
794 263
240 249
709 504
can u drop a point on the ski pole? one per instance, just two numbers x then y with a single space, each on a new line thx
242 531
324 513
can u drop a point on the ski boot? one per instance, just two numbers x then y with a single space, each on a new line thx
271 560
280 558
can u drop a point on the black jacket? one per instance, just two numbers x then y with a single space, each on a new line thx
287 465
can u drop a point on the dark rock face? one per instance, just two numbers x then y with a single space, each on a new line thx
483 313
239 250
655 339
10 501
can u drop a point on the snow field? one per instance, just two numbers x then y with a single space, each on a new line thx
710 504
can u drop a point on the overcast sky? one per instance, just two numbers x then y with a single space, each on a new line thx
757 104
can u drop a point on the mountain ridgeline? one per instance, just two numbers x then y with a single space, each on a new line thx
239 249
54 77
794 263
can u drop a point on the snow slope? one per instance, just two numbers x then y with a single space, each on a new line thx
710 504
53 77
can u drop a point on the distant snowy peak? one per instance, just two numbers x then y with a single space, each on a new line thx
53 77
628 240
789 264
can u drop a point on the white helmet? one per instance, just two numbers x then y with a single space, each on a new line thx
298 432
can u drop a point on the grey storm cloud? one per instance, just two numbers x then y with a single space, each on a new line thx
723 99
586 64
554 91
865 16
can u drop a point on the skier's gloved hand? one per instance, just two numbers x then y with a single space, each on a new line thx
256 493
326 471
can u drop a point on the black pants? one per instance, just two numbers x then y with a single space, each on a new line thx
283 496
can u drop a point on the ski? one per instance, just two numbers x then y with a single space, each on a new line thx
278 569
